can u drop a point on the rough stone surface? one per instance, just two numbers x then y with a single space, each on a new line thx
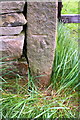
12 41
11 6
16 68
12 19
11 46
41 35
11 30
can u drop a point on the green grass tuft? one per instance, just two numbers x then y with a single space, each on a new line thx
65 70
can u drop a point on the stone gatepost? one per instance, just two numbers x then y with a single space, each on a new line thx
41 39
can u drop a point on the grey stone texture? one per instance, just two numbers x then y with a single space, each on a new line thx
11 6
12 39
12 19
11 46
10 30
16 68
41 36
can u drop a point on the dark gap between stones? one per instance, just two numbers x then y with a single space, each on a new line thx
25 40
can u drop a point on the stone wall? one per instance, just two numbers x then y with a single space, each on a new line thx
38 39
12 34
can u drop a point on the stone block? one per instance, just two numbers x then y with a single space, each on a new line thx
11 46
12 69
12 19
41 38
10 30
11 6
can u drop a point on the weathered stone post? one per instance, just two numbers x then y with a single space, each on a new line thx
41 39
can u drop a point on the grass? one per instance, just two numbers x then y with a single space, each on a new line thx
66 58
74 30
70 7
36 105
59 102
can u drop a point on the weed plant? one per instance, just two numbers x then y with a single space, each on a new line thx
63 99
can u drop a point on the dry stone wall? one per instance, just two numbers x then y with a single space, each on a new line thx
11 25
12 35
39 36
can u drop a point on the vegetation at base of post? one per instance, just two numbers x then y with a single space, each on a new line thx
26 101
